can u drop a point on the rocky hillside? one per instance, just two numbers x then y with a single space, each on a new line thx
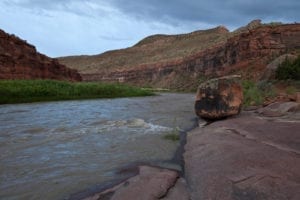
20 60
181 61
149 51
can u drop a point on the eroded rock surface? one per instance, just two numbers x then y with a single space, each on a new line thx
218 98
20 60
244 157
150 184
279 109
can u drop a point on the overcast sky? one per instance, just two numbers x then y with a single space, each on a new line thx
76 27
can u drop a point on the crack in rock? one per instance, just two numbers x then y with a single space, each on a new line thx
270 144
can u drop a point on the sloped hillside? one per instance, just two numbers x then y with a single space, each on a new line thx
151 50
20 60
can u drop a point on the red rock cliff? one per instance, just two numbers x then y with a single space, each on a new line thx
20 60
247 53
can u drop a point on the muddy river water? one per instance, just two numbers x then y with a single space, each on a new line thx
55 149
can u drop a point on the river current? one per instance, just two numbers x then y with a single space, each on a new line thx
55 149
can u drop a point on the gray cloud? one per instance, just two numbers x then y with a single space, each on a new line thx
33 4
77 7
68 27
227 12
232 13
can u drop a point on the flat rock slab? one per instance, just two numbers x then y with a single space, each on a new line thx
243 158
151 183
279 109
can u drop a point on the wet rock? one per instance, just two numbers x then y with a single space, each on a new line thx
246 157
219 98
150 184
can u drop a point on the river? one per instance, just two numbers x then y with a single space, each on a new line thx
52 150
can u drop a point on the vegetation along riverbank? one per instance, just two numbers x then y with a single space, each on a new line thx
24 91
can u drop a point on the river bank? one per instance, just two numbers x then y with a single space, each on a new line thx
249 156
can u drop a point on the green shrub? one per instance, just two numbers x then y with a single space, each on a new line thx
172 136
288 70
255 93
291 90
252 94
266 88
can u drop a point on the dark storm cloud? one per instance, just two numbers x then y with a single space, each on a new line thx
231 13
228 12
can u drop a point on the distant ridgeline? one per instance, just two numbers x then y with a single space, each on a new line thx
182 61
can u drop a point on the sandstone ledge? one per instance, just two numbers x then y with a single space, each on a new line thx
152 183
246 157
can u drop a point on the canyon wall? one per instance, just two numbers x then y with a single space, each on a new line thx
246 53
20 60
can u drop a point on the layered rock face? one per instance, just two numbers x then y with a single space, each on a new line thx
20 60
246 51
218 98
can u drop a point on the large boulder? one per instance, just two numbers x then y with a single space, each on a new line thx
219 98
